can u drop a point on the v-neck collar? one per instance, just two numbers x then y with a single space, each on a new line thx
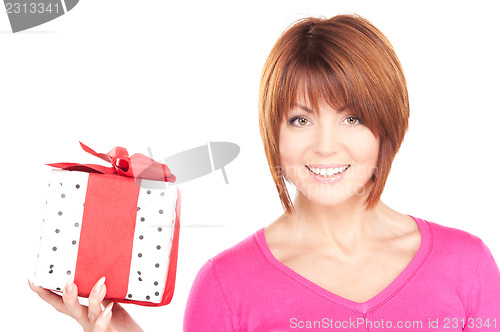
363 307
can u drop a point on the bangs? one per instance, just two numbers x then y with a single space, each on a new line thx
312 83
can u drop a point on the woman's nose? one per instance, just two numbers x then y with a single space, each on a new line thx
327 140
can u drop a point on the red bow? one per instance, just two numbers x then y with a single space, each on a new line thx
136 166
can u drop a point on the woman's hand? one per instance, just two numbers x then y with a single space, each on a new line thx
92 318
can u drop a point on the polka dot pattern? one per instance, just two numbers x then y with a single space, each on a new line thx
58 244
152 243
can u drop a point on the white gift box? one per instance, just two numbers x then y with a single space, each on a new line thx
109 225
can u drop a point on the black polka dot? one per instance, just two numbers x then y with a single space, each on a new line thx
162 193
138 208
49 184
158 247
63 195
147 297
156 293
139 272
68 272
161 211
51 265
159 229
50 271
54 248
149 192
129 296
73 242
141 237
157 265
58 288
140 255
142 219
140 279
77 224
59 213
77 186
156 283
60 183
57 230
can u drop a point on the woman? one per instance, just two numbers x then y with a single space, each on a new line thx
333 113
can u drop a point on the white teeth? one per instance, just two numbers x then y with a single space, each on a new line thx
326 172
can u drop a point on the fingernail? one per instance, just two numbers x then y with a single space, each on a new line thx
70 286
31 285
107 311
99 284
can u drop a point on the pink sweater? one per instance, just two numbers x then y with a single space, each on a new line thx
452 284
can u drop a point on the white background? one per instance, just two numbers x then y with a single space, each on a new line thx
173 75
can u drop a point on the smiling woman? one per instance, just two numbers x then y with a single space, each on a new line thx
333 112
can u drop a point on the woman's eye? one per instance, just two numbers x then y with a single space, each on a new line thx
299 121
352 120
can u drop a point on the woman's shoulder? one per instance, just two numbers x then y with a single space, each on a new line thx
245 248
243 257
451 239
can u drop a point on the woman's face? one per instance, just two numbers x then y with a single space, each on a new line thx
329 158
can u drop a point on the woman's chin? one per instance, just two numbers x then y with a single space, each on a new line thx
331 196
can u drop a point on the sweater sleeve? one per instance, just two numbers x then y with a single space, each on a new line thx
483 310
208 308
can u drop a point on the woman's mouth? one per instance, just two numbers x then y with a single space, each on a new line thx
327 175
329 172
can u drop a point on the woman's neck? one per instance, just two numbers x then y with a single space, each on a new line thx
346 226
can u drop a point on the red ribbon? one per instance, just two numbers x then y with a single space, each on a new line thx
136 166
107 235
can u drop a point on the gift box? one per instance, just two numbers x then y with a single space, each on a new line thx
100 221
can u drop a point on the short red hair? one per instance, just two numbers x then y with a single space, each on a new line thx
347 62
